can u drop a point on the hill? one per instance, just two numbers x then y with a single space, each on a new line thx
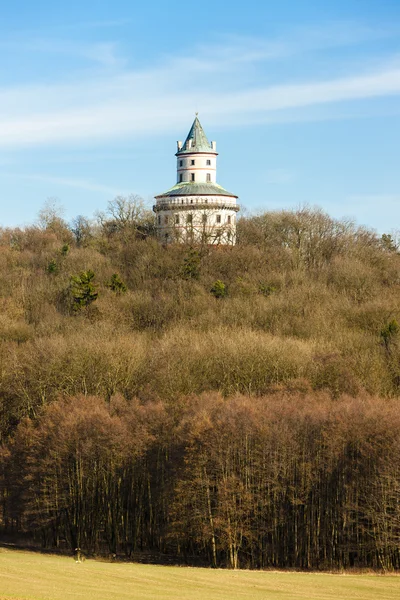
234 406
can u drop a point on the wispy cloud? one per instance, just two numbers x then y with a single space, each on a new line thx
104 53
300 40
158 99
137 110
82 184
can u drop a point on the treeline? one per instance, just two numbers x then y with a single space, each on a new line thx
232 404
285 480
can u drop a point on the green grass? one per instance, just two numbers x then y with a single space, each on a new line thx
33 576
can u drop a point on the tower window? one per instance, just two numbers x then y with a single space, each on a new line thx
159 220
176 219
192 176
204 218
181 163
208 162
218 218
180 177
192 162
208 177
166 220
189 219
229 219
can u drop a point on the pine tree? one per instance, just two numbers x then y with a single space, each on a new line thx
83 290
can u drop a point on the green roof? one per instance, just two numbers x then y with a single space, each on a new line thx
196 189
199 139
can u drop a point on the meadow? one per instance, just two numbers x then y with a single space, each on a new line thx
35 576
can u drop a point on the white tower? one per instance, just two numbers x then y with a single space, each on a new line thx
196 209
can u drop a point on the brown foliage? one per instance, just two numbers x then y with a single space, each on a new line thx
264 429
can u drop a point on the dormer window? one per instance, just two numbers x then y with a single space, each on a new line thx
191 176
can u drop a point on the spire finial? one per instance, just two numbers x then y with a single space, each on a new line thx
197 114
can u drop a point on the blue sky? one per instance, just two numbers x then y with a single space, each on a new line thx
303 98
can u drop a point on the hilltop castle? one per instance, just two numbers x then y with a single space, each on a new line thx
196 209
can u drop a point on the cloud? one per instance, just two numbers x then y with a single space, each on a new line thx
82 184
128 109
299 40
103 53
216 81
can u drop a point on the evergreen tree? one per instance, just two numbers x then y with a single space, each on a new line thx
83 290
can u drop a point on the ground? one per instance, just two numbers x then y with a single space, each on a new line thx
35 576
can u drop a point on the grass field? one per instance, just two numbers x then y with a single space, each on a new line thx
33 576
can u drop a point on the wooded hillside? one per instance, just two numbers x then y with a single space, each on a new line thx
231 405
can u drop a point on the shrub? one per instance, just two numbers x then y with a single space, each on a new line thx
219 290
116 284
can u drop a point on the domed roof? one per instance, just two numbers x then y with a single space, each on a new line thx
194 188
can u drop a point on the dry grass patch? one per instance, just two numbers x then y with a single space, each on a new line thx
31 576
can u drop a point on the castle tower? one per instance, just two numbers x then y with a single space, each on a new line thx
196 209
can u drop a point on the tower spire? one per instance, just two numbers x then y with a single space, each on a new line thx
196 140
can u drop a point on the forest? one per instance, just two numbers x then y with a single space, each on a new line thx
228 406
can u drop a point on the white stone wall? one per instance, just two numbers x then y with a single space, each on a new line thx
200 169
211 222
